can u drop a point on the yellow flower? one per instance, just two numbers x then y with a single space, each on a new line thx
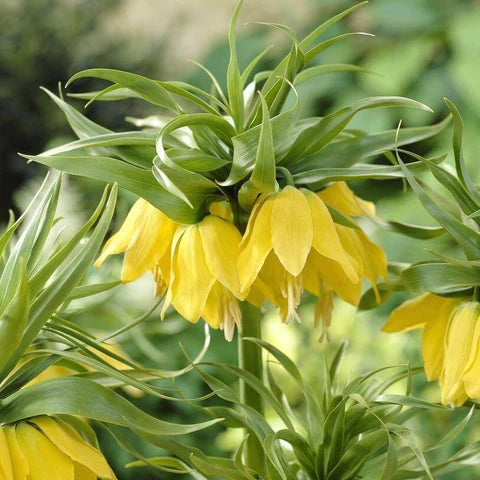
450 347
291 242
46 448
370 257
146 237
340 197
203 276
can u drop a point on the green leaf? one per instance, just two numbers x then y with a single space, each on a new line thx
440 278
80 397
50 299
234 82
457 140
348 152
327 128
409 230
83 291
85 128
263 176
312 36
317 70
311 54
468 239
195 160
245 145
146 88
318 177
14 319
136 180
354 458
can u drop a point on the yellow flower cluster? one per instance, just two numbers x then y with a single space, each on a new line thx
291 243
45 448
450 346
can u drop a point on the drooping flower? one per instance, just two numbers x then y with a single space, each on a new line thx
146 237
370 257
291 243
450 346
203 276
47 448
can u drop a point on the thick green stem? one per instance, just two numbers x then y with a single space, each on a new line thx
250 359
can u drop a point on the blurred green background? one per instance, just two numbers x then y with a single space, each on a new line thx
423 49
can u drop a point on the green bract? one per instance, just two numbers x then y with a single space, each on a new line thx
207 146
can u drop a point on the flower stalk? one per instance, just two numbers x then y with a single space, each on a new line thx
250 359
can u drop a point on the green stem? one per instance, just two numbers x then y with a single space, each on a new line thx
250 359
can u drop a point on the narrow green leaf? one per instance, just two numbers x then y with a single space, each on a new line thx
146 88
234 81
67 395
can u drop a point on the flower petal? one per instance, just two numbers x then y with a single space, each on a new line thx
6 471
46 461
292 229
434 333
221 240
415 313
339 196
370 257
460 335
192 280
20 465
78 450
334 276
152 239
254 250
119 242
325 237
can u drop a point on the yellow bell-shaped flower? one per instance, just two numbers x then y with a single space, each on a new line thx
203 275
146 237
46 448
291 242
450 346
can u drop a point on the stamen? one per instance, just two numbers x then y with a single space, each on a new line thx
292 291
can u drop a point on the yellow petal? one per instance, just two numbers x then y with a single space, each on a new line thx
462 332
222 310
19 462
292 229
471 377
152 240
222 210
6 471
415 313
334 276
46 461
254 250
370 257
191 278
341 198
434 333
119 242
221 241
83 473
325 237
253 217
78 450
